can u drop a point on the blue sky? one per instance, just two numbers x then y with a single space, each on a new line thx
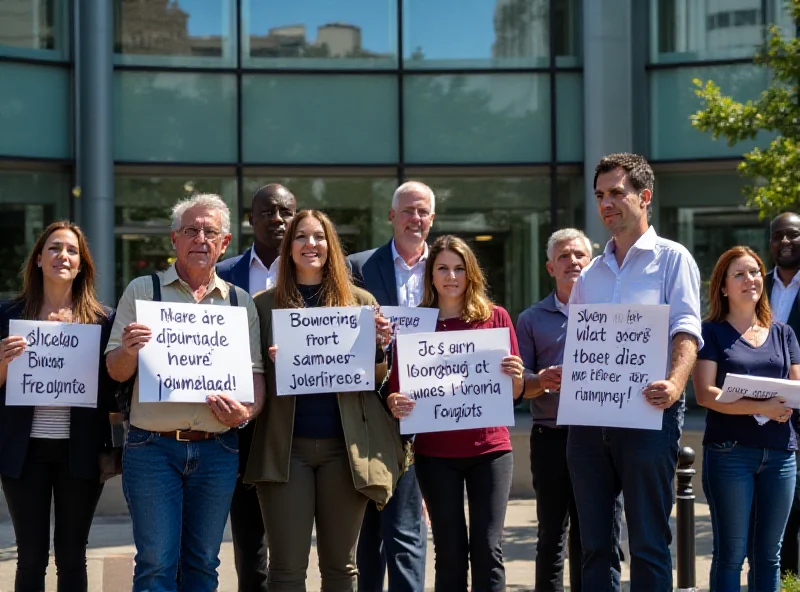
444 29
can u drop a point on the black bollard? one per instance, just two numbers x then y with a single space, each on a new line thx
685 520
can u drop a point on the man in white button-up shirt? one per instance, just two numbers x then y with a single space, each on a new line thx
271 212
782 285
394 540
640 267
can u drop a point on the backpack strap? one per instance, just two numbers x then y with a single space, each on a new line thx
232 295
156 287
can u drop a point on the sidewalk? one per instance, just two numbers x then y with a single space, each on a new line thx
111 553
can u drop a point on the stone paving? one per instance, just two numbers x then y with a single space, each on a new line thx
111 553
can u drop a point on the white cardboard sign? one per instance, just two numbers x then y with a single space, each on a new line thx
324 349
455 379
612 351
58 367
411 319
737 386
196 350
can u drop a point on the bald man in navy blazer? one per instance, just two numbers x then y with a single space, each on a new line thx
395 539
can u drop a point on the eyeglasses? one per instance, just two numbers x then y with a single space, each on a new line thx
210 234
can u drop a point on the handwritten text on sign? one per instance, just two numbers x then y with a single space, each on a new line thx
411 319
455 379
196 350
738 386
58 367
612 351
324 350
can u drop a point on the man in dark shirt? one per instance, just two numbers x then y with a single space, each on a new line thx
782 285
541 332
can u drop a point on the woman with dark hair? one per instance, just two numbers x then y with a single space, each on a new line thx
52 453
481 459
748 468
318 459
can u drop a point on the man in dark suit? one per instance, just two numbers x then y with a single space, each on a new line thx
395 539
255 270
783 285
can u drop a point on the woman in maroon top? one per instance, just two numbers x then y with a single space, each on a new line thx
480 458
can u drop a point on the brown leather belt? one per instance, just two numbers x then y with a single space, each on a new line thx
188 435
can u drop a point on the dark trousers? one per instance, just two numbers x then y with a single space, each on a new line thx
555 511
394 539
46 478
247 526
488 481
790 549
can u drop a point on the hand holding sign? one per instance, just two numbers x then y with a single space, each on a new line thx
12 347
134 337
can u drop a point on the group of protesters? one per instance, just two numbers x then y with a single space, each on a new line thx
283 465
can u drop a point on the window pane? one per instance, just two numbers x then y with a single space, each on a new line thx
185 33
673 101
571 202
142 215
507 222
34 111
175 117
28 203
320 34
712 30
569 114
35 28
475 33
359 207
477 118
320 119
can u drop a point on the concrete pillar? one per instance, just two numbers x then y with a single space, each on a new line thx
608 93
94 108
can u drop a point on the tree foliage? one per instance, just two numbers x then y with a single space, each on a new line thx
775 171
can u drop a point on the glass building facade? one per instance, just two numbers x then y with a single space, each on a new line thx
502 106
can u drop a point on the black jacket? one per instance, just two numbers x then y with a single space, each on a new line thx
90 429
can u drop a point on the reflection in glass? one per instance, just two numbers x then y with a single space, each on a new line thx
320 33
336 119
569 124
359 207
689 30
175 32
33 27
673 101
142 211
34 110
28 203
174 117
507 222
477 118
488 34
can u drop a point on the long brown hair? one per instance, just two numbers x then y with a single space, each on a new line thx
718 305
336 286
86 308
477 305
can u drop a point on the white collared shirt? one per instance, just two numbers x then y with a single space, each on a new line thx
560 306
261 278
655 271
782 298
410 280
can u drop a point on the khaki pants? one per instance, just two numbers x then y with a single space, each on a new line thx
320 490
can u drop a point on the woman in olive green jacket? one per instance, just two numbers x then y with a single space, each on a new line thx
319 458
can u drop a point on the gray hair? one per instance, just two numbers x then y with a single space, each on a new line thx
564 235
412 187
209 201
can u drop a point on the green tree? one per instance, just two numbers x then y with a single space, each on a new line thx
775 171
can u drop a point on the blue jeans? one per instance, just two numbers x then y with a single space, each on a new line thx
749 493
395 538
641 465
178 494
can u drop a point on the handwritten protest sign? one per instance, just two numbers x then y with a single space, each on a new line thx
737 386
455 379
58 367
324 350
196 350
611 352
411 319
